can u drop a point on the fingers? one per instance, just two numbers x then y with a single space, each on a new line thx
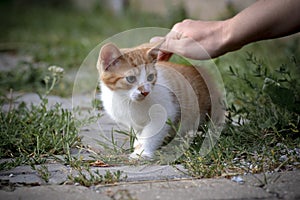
169 43
176 35
162 55
172 45
186 47
177 43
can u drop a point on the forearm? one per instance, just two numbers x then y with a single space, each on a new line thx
265 19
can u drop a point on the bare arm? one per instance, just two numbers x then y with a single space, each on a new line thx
265 19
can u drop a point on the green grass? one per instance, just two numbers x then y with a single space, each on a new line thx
263 124
43 172
37 130
87 177
31 133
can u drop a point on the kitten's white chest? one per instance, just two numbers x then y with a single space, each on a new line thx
122 110
136 114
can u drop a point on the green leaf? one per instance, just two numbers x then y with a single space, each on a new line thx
281 96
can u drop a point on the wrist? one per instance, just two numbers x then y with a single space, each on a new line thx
230 40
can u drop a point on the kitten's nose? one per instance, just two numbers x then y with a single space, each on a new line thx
144 93
144 90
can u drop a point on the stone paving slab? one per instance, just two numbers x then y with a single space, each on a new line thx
191 189
25 175
284 185
281 186
52 192
97 132
9 61
287 186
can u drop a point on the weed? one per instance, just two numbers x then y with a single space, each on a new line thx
267 178
263 124
122 194
74 161
132 137
43 172
272 101
114 146
25 76
32 133
87 177
37 131
117 150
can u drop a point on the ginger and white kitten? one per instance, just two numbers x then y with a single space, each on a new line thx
143 93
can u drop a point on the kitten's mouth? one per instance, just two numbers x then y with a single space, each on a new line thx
144 93
139 98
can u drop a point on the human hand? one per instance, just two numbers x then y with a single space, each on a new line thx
210 39
197 40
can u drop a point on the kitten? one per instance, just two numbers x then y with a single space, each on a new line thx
143 93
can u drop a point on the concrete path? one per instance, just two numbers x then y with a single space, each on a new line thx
280 186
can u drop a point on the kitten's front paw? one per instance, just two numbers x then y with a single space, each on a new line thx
140 152
141 155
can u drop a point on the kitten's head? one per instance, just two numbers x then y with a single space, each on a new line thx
128 70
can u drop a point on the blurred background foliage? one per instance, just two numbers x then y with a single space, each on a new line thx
60 32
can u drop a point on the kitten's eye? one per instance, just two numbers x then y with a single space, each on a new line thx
150 77
130 79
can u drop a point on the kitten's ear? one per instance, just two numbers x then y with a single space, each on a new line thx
154 51
108 56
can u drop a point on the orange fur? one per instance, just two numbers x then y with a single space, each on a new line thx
195 79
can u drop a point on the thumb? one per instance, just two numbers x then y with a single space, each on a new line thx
156 39
172 46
